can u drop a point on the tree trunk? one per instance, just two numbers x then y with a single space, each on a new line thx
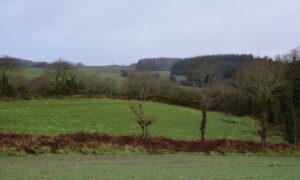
111 88
295 126
145 133
263 133
4 84
203 124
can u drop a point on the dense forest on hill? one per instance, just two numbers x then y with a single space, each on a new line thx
227 65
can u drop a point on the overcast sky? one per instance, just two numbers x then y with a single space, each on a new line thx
102 32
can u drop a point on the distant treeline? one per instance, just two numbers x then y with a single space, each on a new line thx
29 63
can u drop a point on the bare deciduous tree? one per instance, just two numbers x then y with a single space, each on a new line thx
294 117
293 54
205 74
7 65
141 120
207 97
64 76
261 80
140 85
109 85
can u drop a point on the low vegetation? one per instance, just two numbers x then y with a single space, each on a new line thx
14 144
125 167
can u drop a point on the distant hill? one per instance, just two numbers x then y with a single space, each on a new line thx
156 64
30 64
27 63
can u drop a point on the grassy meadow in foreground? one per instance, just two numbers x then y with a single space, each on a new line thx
114 117
149 167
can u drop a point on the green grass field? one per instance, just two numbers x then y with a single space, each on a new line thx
114 117
149 167
162 73
101 71
105 71
30 72
166 74
108 69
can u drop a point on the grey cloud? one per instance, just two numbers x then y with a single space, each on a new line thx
101 32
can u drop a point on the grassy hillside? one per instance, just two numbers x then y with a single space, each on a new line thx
114 117
102 71
105 71
30 72
109 69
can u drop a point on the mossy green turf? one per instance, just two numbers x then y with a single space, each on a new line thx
114 117
149 167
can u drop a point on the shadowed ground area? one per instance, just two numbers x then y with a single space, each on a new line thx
149 167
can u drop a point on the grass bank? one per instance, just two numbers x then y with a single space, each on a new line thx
114 117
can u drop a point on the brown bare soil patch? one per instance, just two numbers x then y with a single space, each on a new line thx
76 142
